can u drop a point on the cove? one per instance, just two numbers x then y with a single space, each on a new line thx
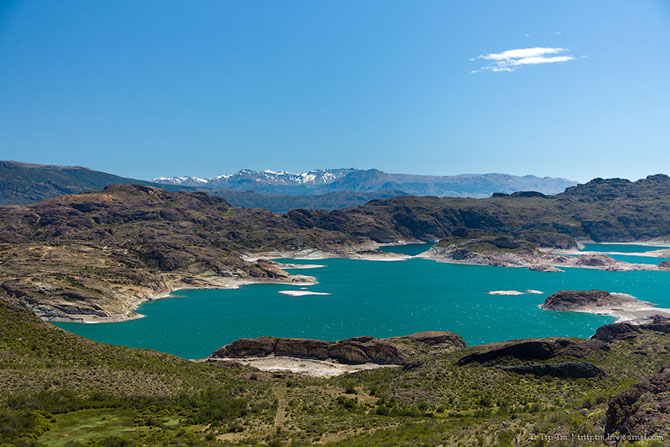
376 298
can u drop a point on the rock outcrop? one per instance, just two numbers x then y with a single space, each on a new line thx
642 410
436 338
541 349
595 261
563 370
358 350
568 300
545 268
622 306
350 351
624 331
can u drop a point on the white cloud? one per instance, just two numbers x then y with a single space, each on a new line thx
510 60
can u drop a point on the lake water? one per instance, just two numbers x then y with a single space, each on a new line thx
375 298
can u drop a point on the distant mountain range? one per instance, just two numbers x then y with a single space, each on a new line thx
328 189
323 181
25 183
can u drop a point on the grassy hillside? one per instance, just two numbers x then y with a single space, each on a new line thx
25 183
58 389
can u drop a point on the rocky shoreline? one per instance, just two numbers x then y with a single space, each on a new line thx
126 298
625 308
543 260
137 296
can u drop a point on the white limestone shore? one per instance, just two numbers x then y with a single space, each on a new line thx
311 367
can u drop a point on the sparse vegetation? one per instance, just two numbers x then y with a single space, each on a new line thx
59 389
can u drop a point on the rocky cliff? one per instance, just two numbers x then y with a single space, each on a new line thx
367 349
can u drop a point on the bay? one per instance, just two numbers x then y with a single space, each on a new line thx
376 298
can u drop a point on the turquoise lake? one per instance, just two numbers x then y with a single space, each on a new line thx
375 298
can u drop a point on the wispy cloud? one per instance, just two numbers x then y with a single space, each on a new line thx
511 60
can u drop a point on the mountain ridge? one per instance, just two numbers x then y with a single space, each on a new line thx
321 181
26 183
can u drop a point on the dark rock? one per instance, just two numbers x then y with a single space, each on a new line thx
585 348
642 410
505 242
550 239
657 324
529 194
616 331
623 331
350 351
664 265
248 347
434 338
523 350
594 260
412 365
571 299
545 268
564 370
460 232
299 347
69 309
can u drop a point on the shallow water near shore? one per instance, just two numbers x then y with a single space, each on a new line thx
383 299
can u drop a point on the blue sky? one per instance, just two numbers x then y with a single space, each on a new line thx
151 88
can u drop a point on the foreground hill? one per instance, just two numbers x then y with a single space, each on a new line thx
59 389
322 181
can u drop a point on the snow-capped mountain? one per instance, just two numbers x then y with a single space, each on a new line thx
265 181
281 178
183 181
322 181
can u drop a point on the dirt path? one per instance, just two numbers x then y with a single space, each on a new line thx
280 417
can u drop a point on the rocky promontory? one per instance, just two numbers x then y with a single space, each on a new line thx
509 251
624 307
570 300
